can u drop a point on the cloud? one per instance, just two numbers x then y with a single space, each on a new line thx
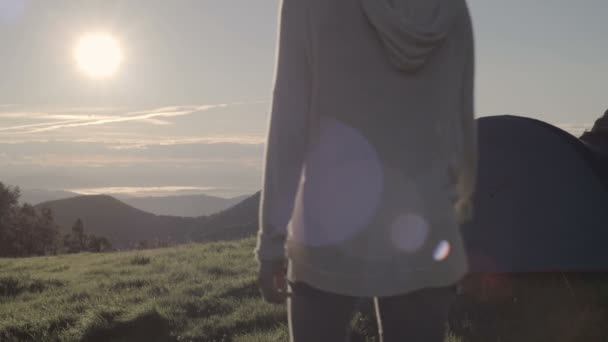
99 151
158 122
47 116
125 143
59 109
20 115
21 127
222 147
62 120
72 160
89 109
141 191
158 191
129 137
140 116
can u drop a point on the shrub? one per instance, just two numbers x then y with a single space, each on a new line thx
140 260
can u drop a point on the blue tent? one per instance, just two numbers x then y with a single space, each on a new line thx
541 203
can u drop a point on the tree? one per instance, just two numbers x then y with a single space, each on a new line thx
78 234
77 241
9 197
26 230
98 244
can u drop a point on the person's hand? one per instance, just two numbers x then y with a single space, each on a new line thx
272 281
464 210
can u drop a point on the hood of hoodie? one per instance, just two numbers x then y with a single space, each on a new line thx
411 30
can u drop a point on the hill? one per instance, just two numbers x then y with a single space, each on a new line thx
183 205
120 223
125 225
36 196
236 222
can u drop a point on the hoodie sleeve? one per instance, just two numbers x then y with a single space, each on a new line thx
468 162
287 138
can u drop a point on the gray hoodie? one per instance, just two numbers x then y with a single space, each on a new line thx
371 140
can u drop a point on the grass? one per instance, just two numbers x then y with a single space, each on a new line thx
196 292
549 306
204 292
207 292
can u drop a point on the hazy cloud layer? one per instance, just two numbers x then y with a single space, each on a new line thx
119 150
144 191
51 122
199 148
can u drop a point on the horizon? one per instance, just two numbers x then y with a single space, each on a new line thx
186 104
133 193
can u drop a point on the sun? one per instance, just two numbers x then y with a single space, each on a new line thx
98 55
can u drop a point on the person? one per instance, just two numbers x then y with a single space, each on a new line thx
369 165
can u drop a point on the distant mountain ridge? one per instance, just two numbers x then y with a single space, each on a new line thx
125 225
237 222
121 223
36 196
183 205
174 205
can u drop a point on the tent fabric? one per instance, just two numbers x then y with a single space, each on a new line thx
541 203
593 153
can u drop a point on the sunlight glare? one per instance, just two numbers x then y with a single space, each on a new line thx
98 55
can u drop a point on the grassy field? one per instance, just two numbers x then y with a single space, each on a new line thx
187 293
197 292
207 292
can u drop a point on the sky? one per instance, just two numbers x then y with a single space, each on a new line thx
187 110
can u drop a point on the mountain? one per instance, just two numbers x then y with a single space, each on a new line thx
125 225
183 205
122 224
35 196
233 223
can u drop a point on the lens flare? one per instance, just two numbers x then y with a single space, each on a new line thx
442 251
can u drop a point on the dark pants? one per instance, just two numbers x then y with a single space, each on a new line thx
319 316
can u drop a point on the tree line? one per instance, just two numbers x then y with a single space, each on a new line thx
28 231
